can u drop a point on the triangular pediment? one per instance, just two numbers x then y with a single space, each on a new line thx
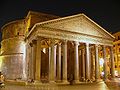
79 23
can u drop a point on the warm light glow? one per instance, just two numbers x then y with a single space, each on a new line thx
101 61
44 50
102 73
119 55
116 73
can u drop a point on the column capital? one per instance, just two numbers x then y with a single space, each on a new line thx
111 47
64 41
104 46
31 44
34 42
83 50
76 42
96 45
59 43
87 44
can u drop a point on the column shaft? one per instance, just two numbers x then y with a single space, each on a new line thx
87 62
52 67
34 58
65 61
38 61
76 63
83 63
97 71
31 62
112 62
59 63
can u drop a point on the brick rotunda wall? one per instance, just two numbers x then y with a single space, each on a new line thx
13 50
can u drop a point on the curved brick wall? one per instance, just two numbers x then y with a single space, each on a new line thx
13 49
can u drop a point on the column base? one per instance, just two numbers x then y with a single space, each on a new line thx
83 79
65 82
36 82
76 82
52 82
89 81
59 81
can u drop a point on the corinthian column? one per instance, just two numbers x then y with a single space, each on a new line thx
38 61
76 62
65 62
105 64
83 64
59 63
52 67
97 71
112 62
87 62
33 59
31 62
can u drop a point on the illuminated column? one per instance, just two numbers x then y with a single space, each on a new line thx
76 63
52 67
87 62
38 61
112 62
83 63
31 62
97 71
105 63
59 63
28 61
33 59
65 62
80 63
49 55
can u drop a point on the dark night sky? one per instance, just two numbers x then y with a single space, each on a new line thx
104 12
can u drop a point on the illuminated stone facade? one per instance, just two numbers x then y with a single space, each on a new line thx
56 51
117 52
13 44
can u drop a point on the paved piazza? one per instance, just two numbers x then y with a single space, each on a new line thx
93 86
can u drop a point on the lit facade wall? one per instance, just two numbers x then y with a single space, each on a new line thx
117 52
13 45
78 29
12 49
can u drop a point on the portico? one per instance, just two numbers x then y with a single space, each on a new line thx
66 49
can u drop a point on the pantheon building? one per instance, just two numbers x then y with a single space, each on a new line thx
46 48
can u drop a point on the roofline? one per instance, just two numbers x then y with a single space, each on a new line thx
59 19
99 26
39 14
73 16
11 23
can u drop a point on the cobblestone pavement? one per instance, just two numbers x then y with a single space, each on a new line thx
90 86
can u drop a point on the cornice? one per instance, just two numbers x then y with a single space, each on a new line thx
66 35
